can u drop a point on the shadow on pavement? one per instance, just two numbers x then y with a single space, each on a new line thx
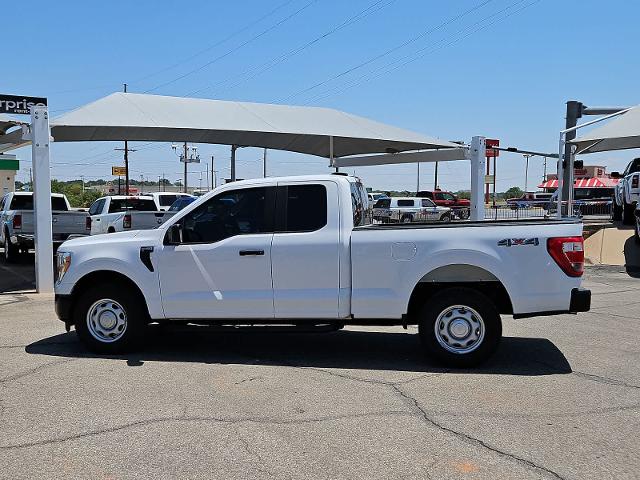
345 349
17 276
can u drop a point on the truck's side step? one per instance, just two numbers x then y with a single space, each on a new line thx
257 328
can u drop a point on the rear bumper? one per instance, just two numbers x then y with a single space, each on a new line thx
64 304
580 302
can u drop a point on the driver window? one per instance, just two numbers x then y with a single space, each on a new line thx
231 213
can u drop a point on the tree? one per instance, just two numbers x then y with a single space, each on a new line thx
513 192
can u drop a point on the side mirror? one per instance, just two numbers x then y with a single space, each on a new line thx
615 175
173 235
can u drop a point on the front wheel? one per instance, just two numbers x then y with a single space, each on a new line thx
637 231
446 218
11 251
464 214
616 211
407 219
460 327
109 319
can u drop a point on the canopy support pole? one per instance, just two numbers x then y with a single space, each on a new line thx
478 164
331 159
233 162
42 199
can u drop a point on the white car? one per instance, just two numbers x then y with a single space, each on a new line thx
164 200
295 250
627 193
415 209
118 213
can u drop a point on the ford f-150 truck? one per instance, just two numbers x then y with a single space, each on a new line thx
118 213
17 228
296 250
627 192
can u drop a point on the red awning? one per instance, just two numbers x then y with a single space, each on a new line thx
600 182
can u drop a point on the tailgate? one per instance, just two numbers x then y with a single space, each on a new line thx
68 223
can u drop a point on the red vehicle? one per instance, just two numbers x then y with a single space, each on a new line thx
460 206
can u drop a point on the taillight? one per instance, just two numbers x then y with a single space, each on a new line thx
568 252
634 181
126 222
17 221
87 223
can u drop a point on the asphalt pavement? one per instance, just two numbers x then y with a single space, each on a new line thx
561 399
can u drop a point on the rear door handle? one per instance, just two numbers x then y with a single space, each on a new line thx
245 253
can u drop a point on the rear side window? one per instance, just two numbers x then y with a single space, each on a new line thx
58 203
405 203
96 207
25 202
306 208
166 200
360 205
135 204
383 203
427 203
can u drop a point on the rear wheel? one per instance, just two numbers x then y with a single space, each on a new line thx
616 211
628 214
463 213
10 250
446 218
110 319
460 327
637 230
407 219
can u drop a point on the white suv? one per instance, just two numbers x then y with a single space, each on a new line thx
411 209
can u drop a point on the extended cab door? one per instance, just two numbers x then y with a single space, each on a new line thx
305 252
222 266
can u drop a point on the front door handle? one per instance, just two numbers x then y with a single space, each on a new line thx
245 253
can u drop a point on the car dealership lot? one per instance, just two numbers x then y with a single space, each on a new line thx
561 399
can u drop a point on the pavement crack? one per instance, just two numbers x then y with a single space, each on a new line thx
472 440
182 418
34 370
605 380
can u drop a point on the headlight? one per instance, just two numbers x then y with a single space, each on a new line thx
63 262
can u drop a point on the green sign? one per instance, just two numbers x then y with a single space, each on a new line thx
9 165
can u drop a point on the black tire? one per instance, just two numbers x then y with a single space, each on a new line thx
616 211
446 218
636 233
628 216
472 300
11 251
133 307
464 213
111 230
407 219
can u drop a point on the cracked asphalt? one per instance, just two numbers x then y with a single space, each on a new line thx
560 400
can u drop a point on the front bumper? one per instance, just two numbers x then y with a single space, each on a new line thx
580 300
64 306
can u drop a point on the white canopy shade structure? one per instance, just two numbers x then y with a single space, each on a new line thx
13 139
142 117
620 133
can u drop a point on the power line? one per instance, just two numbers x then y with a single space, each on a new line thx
235 49
481 25
217 44
391 50
276 61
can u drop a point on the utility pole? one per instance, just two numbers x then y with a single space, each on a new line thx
141 183
264 163
213 174
544 174
418 180
158 182
82 180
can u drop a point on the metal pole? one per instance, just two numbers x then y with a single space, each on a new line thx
126 159
233 162
264 163
494 180
213 175
435 181
418 180
560 174
41 188
185 167
206 171
331 153
158 182
477 154
526 172
574 112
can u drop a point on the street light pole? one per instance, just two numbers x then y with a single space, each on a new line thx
526 171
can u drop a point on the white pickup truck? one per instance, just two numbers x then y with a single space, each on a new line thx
165 199
17 228
627 193
119 213
295 250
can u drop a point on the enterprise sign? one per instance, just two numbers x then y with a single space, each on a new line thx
20 105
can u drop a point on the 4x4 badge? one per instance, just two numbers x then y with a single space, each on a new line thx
508 242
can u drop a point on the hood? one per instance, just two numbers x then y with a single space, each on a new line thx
118 237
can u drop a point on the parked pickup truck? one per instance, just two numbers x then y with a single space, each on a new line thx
118 213
164 200
297 250
17 228
461 207
627 192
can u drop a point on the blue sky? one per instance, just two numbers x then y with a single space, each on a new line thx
500 68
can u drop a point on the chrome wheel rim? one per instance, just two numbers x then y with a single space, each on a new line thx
459 329
107 320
